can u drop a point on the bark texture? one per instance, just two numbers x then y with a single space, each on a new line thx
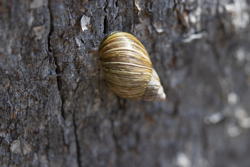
55 110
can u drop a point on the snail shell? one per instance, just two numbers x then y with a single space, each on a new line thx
127 68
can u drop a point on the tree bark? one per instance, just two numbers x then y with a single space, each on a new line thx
55 110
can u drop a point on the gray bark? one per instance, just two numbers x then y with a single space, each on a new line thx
55 110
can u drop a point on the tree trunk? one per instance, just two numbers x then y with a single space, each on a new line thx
56 111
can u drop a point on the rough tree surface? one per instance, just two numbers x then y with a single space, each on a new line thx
55 110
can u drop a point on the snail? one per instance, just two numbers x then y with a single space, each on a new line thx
127 68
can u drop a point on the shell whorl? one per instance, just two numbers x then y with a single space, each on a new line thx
127 68
154 89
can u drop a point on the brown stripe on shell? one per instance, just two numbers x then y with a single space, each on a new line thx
124 43
136 92
125 64
126 57
121 81
117 36
125 39
124 74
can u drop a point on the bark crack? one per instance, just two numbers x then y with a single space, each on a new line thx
60 84
105 20
78 153
54 59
